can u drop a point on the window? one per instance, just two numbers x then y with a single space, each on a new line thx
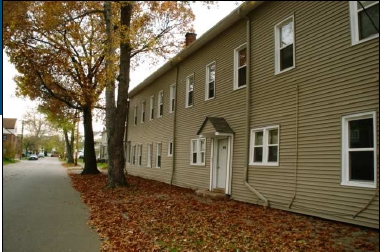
198 151
158 155
264 146
4 137
139 154
190 91
143 112
135 116
284 46
240 66
170 149
210 81
133 154
160 103
151 107
362 28
172 98
359 150
129 152
149 156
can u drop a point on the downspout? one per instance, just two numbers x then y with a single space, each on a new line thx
246 162
174 125
296 155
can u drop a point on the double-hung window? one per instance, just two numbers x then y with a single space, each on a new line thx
139 154
129 150
151 107
240 63
160 103
210 81
158 155
135 115
198 151
364 18
265 146
170 149
149 155
172 98
284 46
143 112
190 91
359 150
133 154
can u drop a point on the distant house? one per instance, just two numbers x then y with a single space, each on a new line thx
277 105
9 134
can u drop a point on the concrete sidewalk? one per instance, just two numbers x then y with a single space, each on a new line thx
41 210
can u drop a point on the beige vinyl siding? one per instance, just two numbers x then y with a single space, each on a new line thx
158 130
189 120
334 79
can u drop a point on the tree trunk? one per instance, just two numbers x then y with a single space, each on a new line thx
116 116
69 147
90 166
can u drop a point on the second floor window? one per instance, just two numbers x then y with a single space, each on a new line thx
189 90
151 107
172 98
210 81
364 17
135 116
160 103
143 112
240 79
284 48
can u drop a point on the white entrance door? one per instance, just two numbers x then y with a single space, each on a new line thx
221 165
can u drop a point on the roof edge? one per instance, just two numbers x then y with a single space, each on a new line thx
221 26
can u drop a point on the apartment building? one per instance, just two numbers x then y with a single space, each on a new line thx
276 105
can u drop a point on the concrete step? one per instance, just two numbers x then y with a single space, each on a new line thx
215 194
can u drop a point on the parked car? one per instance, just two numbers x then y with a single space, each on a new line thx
41 154
33 157
80 154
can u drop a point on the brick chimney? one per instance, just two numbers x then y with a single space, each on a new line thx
190 38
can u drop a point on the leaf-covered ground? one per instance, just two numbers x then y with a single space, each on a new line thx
154 216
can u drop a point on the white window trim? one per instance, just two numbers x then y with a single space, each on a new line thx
277 46
151 108
133 160
157 154
160 97
199 163
207 85
129 149
187 91
143 111
236 65
139 154
135 116
172 97
170 154
149 155
265 146
345 169
354 23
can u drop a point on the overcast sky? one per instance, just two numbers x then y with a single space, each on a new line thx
14 107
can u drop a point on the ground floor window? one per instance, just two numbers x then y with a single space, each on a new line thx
149 155
158 155
139 154
198 151
264 147
359 150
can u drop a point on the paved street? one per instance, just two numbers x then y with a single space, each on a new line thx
41 211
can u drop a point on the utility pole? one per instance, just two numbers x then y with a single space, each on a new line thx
22 136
